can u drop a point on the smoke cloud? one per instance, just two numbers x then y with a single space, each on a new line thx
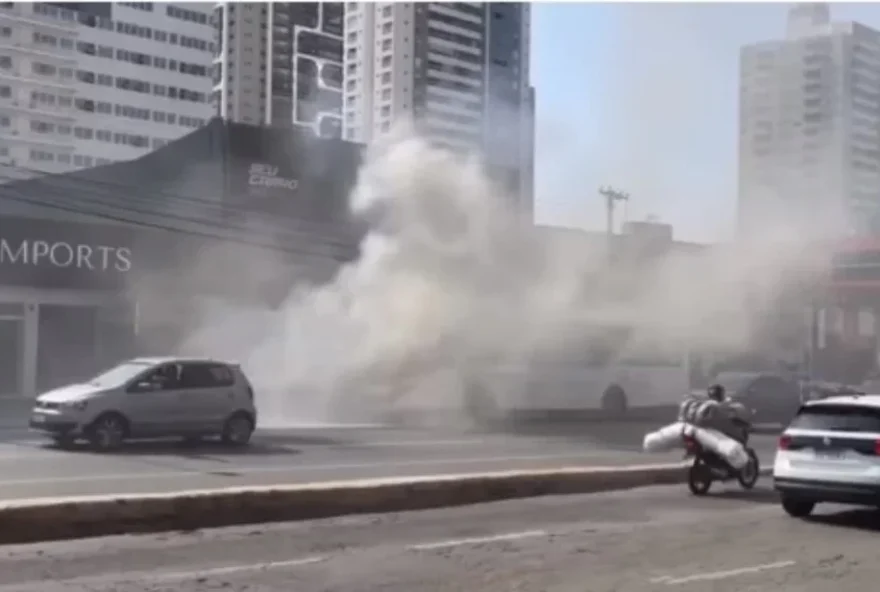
453 285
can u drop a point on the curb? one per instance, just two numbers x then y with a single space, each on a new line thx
29 521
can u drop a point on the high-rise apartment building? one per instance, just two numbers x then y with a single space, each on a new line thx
810 124
84 84
280 64
459 69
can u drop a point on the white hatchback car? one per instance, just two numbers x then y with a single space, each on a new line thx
151 398
830 452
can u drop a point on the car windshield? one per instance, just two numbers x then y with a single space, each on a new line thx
119 375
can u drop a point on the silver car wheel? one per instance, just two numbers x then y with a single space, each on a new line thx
108 433
238 430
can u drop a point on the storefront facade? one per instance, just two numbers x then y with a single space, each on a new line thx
845 341
102 264
62 300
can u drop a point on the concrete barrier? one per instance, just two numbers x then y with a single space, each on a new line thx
65 518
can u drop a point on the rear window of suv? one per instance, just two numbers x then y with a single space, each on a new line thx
838 418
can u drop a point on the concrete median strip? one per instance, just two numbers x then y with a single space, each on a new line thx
64 518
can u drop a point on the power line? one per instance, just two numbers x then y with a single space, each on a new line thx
16 196
132 193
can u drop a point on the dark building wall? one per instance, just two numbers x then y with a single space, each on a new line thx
199 213
271 187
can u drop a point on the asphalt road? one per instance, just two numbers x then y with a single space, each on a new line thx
31 468
644 540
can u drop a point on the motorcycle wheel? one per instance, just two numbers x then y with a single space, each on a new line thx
699 478
749 474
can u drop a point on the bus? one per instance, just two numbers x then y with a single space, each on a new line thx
612 369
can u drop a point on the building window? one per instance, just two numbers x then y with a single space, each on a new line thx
43 39
387 28
5 62
386 12
42 156
386 62
386 45
386 78
44 69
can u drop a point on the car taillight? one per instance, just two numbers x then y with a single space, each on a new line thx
690 443
877 447
784 442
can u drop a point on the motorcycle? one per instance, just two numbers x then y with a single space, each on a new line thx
709 467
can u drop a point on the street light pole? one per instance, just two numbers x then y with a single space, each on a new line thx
612 196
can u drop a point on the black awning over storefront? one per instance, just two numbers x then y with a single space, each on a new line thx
282 192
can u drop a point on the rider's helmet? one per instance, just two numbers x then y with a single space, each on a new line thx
716 392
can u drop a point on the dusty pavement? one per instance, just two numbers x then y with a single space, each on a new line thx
641 540
30 468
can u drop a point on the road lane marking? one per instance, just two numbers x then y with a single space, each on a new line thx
38 450
407 443
721 575
513 536
198 574
290 469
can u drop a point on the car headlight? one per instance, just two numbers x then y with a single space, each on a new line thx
77 405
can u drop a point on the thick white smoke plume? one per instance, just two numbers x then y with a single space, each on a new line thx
451 280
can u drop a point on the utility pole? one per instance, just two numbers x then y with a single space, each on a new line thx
612 196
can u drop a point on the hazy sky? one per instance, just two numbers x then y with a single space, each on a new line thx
644 97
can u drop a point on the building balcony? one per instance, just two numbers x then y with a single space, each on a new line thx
53 141
24 14
62 114
16 75
58 55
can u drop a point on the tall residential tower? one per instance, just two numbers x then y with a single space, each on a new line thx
459 69
87 83
810 125
280 64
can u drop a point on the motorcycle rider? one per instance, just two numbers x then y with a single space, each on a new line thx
718 412
731 416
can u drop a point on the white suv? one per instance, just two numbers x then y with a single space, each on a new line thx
830 453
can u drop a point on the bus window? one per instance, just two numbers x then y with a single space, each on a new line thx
649 352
